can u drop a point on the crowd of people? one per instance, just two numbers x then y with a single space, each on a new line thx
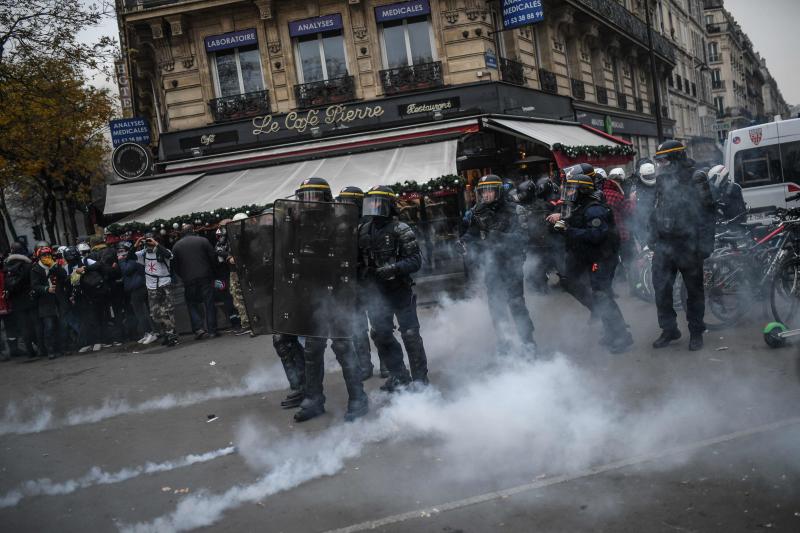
583 224
108 291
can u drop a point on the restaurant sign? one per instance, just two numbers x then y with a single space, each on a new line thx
303 121
430 106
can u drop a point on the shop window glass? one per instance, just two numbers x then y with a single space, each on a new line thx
238 71
758 166
321 57
407 42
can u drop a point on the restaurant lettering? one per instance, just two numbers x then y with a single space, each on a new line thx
301 122
430 107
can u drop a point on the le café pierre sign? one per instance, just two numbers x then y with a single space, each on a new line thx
305 121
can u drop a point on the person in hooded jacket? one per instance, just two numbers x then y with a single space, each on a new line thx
24 315
49 287
133 283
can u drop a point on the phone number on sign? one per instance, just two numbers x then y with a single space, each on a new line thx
535 16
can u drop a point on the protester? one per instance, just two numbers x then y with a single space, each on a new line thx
24 315
133 283
194 262
156 259
49 287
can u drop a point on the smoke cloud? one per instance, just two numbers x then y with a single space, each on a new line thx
97 476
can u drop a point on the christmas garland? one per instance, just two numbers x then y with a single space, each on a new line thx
210 219
574 152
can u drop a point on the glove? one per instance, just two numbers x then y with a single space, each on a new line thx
386 272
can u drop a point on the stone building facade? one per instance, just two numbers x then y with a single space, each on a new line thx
194 64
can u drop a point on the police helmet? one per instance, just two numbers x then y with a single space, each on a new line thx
547 189
380 201
577 186
527 192
71 253
351 195
489 189
670 152
314 189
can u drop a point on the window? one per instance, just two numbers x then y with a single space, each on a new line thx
321 56
407 42
713 52
719 104
715 75
790 159
237 71
758 166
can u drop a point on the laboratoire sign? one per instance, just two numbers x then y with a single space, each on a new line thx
305 121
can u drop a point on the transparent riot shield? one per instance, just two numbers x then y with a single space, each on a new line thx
251 243
316 250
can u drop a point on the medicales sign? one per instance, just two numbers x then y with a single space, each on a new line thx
518 13
129 130
403 10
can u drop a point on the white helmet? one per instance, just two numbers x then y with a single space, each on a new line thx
239 216
600 172
84 248
718 176
647 174
617 174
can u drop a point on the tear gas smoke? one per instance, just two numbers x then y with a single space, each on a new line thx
18 417
97 476
532 417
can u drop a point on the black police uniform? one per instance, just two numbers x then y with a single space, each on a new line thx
290 352
383 242
682 236
540 200
498 229
592 243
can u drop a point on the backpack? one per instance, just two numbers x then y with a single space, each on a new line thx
93 282
15 280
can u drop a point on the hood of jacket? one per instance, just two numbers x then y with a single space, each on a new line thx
17 257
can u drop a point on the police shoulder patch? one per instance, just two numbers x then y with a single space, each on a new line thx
595 222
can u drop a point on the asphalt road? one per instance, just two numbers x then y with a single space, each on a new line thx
577 441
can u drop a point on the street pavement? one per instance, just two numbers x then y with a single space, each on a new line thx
193 437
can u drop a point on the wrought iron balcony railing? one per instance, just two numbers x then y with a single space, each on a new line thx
240 106
639 104
622 100
717 84
144 4
578 89
713 28
601 94
716 58
548 81
512 71
412 78
325 92
630 24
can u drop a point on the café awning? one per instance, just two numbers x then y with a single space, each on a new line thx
127 196
264 185
551 134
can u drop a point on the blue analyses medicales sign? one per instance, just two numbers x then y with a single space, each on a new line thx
129 130
231 40
518 13
402 10
321 24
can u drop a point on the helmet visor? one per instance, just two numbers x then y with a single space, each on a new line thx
488 194
377 205
312 195
574 170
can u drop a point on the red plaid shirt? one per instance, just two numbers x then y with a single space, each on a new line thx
620 207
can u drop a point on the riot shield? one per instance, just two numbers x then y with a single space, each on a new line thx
316 250
251 243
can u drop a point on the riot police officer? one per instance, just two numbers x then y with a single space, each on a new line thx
682 236
290 352
388 255
540 199
592 243
354 195
497 229
313 404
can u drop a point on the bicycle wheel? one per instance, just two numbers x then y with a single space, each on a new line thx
785 294
727 292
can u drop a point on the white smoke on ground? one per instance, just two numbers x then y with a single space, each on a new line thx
37 414
98 476
533 417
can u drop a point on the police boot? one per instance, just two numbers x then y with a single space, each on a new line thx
395 383
384 370
309 409
667 336
695 342
313 403
620 343
293 399
417 360
361 346
357 403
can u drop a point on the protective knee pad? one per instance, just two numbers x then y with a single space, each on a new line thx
381 338
284 345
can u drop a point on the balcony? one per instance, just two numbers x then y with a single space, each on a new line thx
512 71
718 85
240 106
132 5
629 24
412 78
548 81
578 89
602 95
639 105
717 58
325 92
622 100
713 28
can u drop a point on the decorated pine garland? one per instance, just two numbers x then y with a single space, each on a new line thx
210 219
574 152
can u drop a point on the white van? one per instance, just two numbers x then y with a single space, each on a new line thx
765 161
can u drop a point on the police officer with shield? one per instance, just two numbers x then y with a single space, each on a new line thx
313 404
388 255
